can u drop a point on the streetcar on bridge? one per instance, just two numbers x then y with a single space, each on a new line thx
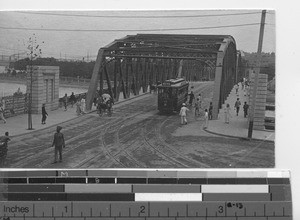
171 94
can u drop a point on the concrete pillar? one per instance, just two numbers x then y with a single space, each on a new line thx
260 102
217 85
45 87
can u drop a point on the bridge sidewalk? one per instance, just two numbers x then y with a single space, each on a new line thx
238 125
18 125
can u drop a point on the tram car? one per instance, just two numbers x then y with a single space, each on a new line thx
171 94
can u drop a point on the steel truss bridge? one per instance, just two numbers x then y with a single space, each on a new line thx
129 65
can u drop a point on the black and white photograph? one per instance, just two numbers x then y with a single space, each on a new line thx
137 88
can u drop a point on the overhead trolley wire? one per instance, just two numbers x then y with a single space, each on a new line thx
124 30
137 16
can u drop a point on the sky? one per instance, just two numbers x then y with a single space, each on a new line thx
75 34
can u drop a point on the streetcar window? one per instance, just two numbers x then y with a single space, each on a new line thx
167 93
174 94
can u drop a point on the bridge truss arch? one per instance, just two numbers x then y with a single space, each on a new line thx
129 65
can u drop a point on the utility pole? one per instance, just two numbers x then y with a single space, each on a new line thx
257 70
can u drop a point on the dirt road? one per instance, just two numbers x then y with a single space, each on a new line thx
137 136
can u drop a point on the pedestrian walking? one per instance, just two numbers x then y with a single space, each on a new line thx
65 100
3 148
2 112
78 107
82 104
227 112
237 105
44 114
72 99
210 109
197 107
200 99
58 144
236 89
183 113
245 107
192 97
205 119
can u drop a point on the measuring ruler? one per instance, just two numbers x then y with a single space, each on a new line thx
113 194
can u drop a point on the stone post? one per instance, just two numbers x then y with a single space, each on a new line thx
45 87
261 98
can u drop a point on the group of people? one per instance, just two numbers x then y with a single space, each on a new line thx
208 112
237 104
197 104
245 87
80 104
58 144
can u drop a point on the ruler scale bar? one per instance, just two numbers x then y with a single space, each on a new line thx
193 209
115 194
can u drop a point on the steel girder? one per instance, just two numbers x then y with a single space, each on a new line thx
132 63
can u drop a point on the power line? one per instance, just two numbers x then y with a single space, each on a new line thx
124 30
11 49
130 16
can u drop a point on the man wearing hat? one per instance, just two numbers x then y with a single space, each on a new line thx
182 113
58 143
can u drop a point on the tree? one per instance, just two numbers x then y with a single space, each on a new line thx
34 51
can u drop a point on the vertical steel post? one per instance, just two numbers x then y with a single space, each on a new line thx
257 70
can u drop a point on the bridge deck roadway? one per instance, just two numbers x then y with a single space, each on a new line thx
136 136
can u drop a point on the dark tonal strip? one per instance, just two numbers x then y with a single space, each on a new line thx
41 173
70 180
221 181
69 196
101 180
14 180
36 196
278 181
236 197
15 174
41 180
250 181
100 197
35 188
162 181
192 181
132 180
280 192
